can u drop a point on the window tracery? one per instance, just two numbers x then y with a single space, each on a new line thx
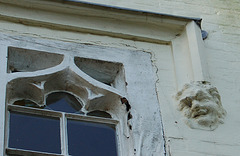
65 97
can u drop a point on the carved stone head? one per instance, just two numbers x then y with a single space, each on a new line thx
201 105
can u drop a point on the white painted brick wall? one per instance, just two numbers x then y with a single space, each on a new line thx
221 21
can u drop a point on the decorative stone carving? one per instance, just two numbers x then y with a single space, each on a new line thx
91 81
201 105
93 95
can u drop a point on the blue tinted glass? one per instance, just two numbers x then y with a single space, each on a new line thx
34 133
91 139
63 102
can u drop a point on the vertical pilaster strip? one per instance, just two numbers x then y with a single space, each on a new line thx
197 52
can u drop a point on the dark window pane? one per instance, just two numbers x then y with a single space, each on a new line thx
26 103
91 139
99 113
64 102
34 133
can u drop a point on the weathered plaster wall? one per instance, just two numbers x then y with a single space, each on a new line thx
221 21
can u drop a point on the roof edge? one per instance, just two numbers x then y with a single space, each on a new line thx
198 21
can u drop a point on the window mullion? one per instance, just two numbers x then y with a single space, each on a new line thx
64 134
3 65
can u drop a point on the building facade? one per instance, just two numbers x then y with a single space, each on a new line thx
158 77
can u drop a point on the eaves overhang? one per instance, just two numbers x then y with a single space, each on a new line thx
130 10
98 19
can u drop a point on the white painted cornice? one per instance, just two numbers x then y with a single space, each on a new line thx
94 19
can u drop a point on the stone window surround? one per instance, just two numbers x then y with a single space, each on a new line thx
127 113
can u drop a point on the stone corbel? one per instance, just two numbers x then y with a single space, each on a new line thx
200 104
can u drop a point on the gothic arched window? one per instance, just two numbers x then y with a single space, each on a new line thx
62 108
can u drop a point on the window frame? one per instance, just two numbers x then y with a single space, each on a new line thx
63 117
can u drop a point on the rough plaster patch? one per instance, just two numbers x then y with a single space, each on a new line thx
201 105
